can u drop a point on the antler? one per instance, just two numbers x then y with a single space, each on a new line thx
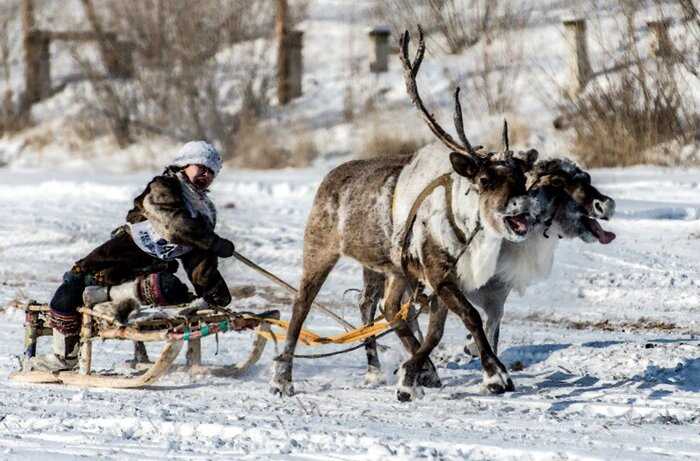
506 144
459 125
410 72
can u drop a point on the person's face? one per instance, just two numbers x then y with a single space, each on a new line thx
199 175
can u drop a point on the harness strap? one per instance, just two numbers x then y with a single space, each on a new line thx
441 181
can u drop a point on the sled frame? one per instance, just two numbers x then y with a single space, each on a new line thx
36 325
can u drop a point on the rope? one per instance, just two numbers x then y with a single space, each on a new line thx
350 349
310 338
347 326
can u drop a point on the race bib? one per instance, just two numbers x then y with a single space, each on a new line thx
147 239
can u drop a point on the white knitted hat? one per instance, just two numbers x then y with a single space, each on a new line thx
199 153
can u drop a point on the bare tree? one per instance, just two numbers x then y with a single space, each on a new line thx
459 24
11 116
196 75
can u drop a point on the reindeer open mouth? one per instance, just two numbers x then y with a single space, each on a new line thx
519 224
594 227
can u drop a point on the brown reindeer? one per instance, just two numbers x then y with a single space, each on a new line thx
451 241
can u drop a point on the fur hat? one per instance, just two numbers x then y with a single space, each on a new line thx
199 153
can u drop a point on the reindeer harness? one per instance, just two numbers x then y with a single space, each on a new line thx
441 181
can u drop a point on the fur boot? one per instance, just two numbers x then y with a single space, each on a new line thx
64 356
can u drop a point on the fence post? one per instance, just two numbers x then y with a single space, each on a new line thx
379 49
289 56
661 46
290 67
37 65
579 66
296 62
37 61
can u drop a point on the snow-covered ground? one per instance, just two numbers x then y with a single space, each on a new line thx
607 350
587 389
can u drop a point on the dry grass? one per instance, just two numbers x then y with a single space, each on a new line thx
304 152
641 324
380 144
88 129
611 128
255 147
623 117
12 118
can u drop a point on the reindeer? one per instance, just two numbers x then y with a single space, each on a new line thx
469 203
566 207
577 205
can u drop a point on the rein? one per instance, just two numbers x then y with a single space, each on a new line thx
378 327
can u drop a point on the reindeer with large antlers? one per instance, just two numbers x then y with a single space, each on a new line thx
457 212
567 206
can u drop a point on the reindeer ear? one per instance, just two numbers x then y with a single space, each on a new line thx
464 165
526 158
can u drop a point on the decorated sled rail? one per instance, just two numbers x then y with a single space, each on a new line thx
182 323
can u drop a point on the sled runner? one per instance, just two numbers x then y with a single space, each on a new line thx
172 325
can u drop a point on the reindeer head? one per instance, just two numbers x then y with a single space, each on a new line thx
498 178
568 199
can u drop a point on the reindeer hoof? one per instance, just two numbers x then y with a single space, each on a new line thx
498 383
406 389
282 388
408 394
495 389
374 377
429 378
281 383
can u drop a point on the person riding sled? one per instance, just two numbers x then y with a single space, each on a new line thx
172 219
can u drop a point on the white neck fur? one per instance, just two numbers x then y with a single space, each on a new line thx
476 264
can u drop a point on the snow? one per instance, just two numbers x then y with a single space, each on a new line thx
585 391
604 355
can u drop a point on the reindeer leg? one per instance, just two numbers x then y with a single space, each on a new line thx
311 281
413 323
427 374
371 294
393 292
492 298
491 329
496 378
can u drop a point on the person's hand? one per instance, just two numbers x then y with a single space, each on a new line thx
223 248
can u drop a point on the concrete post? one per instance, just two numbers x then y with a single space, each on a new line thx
379 49
579 65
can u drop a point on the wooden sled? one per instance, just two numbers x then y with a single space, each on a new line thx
184 324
